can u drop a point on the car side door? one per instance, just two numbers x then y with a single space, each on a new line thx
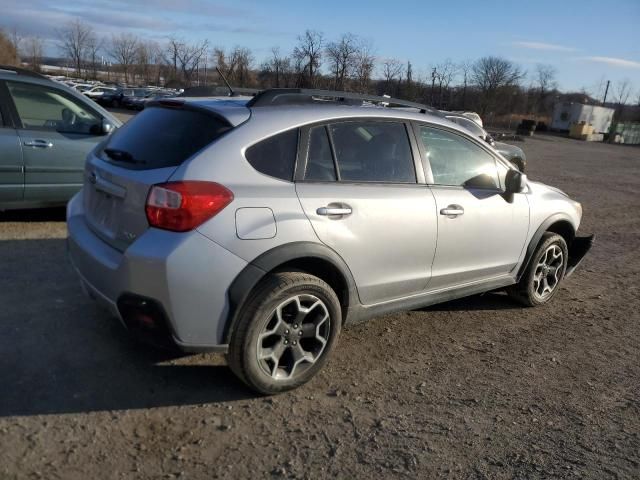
11 166
56 131
362 190
481 231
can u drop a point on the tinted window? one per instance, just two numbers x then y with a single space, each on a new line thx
455 160
320 165
42 108
369 151
275 156
162 137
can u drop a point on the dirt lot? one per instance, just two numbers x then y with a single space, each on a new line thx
477 388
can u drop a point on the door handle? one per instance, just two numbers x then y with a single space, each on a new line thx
452 211
38 143
334 211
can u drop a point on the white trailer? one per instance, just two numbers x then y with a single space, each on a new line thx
566 114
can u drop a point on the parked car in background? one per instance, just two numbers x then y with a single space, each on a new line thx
98 91
130 100
46 131
138 103
115 98
472 115
260 228
511 152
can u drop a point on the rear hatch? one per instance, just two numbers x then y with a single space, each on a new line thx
145 151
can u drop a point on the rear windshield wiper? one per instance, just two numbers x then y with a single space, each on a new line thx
121 156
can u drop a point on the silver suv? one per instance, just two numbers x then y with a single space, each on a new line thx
260 227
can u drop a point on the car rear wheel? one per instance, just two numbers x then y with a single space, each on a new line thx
540 281
285 333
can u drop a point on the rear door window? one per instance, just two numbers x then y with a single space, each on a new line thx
373 151
275 156
161 137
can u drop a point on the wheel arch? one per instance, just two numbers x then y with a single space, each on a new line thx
313 258
558 223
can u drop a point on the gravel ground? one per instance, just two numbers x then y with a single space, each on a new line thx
477 388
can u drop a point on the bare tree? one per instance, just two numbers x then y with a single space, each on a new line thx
465 68
73 40
123 49
190 58
8 51
622 92
445 74
545 80
308 55
94 45
279 67
235 64
33 51
391 71
491 74
364 64
341 56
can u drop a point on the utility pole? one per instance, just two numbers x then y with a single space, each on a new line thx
606 90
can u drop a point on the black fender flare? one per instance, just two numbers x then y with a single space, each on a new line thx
255 271
535 240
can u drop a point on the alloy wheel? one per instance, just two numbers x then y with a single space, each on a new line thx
548 272
294 337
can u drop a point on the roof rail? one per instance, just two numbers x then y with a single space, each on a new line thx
301 96
20 71
218 91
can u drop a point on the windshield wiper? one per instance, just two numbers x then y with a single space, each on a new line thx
121 156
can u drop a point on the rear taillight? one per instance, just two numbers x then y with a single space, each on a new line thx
182 206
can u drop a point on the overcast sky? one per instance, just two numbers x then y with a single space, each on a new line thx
587 41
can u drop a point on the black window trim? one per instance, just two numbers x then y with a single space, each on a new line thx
427 166
16 116
8 120
303 151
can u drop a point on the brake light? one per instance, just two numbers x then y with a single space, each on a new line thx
182 206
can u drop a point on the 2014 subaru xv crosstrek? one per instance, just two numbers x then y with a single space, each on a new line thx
260 227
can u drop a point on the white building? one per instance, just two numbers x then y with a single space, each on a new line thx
567 113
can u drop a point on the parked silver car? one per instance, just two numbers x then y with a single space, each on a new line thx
46 132
261 228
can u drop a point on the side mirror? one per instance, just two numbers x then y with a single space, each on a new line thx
106 128
489 139
515 182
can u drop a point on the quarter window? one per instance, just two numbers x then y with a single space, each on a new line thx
41 108
454 160
373 151
275 156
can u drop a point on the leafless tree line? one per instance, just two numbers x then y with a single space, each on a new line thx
490 85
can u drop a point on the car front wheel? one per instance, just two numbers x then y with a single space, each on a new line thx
285 332
540 281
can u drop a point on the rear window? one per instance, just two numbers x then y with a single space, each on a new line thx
162 137
275 156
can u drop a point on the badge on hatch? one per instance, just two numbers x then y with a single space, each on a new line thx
93 178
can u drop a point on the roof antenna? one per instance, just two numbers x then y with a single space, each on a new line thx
231 92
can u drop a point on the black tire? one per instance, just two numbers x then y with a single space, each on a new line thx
527 290
259 316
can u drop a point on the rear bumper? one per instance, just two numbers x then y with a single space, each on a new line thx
580 246
186 274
